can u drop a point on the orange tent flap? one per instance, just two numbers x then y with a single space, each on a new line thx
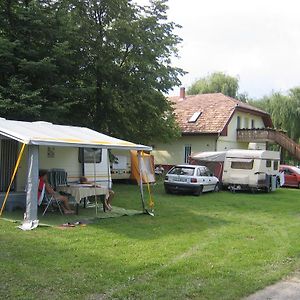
148 167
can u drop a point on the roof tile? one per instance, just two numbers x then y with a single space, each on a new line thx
216 111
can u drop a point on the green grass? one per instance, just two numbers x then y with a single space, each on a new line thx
216 246
86 215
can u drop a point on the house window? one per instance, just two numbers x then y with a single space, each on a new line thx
246 123
194 117
275 166
252 124
238 122
187 153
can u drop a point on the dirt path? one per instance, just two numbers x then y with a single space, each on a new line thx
287 289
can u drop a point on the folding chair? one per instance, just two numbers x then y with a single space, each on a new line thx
48 200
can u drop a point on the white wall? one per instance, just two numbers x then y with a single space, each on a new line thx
64 158
229 141
173 153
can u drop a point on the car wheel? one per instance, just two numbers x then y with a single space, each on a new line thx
168 191
199 191
299 185
217 187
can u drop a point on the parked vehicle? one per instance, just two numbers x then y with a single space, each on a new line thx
124 166
190 178
242 169
291 175
251 170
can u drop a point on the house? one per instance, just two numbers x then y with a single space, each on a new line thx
209 122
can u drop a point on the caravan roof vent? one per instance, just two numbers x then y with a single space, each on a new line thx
195 117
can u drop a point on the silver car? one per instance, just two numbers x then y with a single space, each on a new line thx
190 178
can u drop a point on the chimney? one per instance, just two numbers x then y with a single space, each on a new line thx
182 92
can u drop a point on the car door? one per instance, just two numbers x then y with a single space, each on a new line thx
290 177
211 180
203 178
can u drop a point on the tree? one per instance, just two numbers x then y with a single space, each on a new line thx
217 82
284 111
126 67
36 62
103 64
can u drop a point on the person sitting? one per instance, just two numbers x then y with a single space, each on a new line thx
108 198
43 182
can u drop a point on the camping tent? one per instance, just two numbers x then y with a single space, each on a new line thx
218 156
35 134
214 160
147 167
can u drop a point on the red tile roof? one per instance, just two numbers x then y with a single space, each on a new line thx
216 112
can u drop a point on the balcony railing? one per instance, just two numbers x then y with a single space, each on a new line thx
270 135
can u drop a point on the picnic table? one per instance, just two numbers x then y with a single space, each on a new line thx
82 191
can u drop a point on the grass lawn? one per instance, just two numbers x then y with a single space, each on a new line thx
216 246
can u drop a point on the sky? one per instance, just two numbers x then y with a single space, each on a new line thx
257 41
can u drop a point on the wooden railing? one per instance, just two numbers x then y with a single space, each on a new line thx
270 135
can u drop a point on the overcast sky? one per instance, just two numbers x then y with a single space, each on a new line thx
256 40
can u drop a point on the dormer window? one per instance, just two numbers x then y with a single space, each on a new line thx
195 117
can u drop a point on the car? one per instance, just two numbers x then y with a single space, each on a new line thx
291 175
190 178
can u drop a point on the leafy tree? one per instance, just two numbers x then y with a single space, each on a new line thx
217 82
36 62
126 67
103 64
284 110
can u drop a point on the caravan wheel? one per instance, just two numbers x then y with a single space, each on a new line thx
168 191
268 189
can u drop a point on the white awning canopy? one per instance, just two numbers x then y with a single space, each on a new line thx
48 134
216 156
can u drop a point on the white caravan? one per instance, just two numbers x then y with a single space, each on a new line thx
251 170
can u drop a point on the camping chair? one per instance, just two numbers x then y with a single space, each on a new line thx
48 200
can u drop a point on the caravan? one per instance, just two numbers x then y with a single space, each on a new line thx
243 169
251 170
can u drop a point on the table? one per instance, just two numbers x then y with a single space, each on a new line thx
82 191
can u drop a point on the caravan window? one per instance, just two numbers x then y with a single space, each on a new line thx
242 165
90 155
268 163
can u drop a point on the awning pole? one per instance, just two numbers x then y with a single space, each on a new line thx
109 180
141 180
96 202
32 184
12 177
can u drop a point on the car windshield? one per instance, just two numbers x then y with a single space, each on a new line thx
182 171
296 170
